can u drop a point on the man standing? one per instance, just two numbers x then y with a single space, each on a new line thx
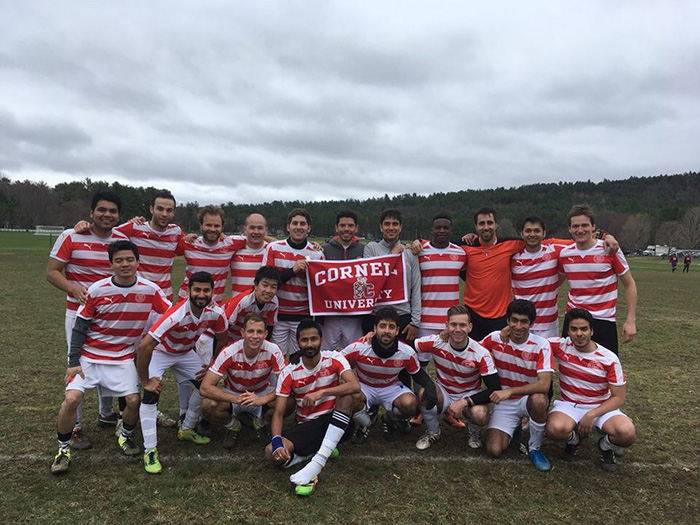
289 256
592 392
246 260
78 260
324 408
686 262
525 364
674 262
170 345
250 367
341 330
107 325
461 364
593 276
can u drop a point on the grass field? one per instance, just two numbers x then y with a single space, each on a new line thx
658 481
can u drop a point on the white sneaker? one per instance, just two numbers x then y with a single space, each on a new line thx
474 439
426 440
164 421
118 429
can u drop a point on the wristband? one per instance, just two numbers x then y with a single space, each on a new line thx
276 443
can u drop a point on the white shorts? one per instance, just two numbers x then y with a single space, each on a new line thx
448 399
341 330
116 378
384 396
507 414
576 411
285 333
424 332
183 366
238 409
205 347
552 332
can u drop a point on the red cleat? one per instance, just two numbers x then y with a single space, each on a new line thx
416 421
457 423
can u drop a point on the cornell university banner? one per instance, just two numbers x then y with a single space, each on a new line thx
356 286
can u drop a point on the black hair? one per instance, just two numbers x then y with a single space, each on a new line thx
387 313
268 272
522 307
485 211
105 196
392 213
345 214
165 194
534 219
119 246
307 323
200 277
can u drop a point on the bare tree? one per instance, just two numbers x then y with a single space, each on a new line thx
635 233
688 233
666 232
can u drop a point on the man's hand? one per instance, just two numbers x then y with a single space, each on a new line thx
629 330
410 332
456 409
79 292
500 395
505 334
311 398
72 372
250 399
470 238
585 426
201 372
416 247
138 220
367 338
279 451
316 246
611 244
299 266
81 226
154 384
444 335
397 248
190 238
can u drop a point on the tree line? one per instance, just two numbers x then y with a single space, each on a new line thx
639 211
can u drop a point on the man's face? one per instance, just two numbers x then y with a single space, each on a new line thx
298 228
580 332
212 227
124 264
105 215
265 290
255 230
200 294
391 229
581 228
532 234
441 231
458 328
254 333
386 331
162 212
346 229
519 327
309 342
486 227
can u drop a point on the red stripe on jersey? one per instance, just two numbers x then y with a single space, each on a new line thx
439 269
244 265
243 374
178 329
375 371
238 306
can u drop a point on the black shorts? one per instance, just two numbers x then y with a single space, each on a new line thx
307 437
604 333
483 326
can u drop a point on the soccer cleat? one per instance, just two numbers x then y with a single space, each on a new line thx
151 463
335 454
389 429
204 428
107 420
607 457
118 428
360 435
180 421
128 446
231 435
571 449
540 460
61 462
416 421
306 490
164 421
192 435
262 431
403 426
79 441
474 439
373 412
457 423
426 440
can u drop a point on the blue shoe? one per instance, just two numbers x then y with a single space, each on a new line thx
540 461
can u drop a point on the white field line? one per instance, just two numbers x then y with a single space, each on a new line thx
98 458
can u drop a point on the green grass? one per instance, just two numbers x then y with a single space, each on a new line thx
376 483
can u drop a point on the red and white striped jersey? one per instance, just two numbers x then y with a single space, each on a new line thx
203 257
244 264
85 255
439 271
519 363
585 377
592 276
178 330
457 371
297 381
293 295
238 306
248 375
375 371
156 252
118 316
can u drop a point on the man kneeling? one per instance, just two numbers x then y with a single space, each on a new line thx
323 408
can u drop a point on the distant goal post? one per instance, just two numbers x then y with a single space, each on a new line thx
50 231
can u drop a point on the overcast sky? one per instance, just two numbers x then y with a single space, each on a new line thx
255 101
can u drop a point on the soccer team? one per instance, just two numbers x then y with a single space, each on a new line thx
257 357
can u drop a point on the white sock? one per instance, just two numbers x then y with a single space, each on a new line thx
430 418
606 444
148 415
473 428
362 418
184 391
233 423
78 416
295 460
536 435
336 428
105 403
573 438
194 411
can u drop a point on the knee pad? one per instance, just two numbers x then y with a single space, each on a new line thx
149 398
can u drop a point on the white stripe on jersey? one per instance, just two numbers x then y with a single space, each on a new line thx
86 258
238 306
439 270
242 374
178 329
293 295
457 371
378 372
244 264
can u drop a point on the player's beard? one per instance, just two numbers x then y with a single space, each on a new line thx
200 302
310 351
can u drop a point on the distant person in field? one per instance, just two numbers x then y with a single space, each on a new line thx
249 367
525 364
324 406
593 276
290 257
686 262
674 262
341 330
77 260
102 350
593 389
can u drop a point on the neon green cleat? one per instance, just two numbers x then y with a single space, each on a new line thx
60 463
192 435
151 462
306 490
128 447
335 454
